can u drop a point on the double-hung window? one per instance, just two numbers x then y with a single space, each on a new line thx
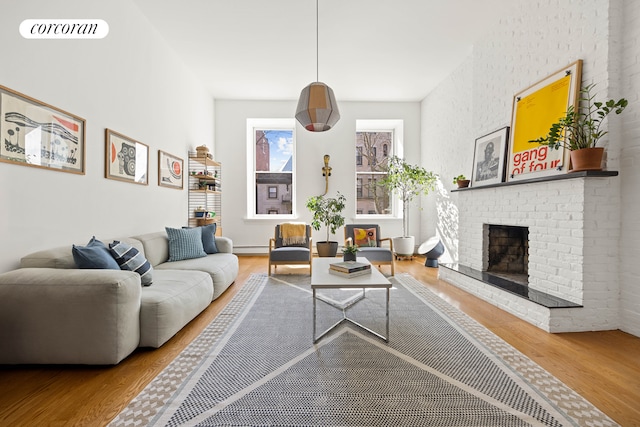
376 142
271 167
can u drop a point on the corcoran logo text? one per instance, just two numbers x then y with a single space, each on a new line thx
64 29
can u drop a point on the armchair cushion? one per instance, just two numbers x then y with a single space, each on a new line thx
365 237
290 253
375 254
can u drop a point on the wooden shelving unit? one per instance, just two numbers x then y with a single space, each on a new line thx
205 191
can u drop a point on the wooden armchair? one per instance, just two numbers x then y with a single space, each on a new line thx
288 254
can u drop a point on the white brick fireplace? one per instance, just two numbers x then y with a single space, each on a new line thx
574 229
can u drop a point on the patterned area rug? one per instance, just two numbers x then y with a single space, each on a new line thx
256 365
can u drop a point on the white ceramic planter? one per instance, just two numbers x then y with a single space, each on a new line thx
404 246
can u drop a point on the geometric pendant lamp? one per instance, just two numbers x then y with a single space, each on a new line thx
317 109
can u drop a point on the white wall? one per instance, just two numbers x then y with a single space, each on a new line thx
630 171
129 82
252 236
545 36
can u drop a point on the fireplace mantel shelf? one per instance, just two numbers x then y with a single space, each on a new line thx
570 175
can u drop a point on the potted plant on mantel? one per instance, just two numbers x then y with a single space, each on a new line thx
579 131
462 181
327 211
407 181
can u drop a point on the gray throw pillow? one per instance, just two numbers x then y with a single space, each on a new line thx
185 243
94 255
129 258
209 238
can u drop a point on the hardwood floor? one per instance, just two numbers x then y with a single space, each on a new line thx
604 367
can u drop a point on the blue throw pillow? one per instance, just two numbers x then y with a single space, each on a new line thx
94 255
209 238
129 258
185 243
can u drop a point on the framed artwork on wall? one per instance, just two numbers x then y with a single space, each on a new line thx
535 109
40 135
126 159
489 158
170 170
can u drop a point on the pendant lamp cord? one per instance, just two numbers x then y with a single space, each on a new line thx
317 44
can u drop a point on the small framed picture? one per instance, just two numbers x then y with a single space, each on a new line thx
170 170
489 158
40 135
126 159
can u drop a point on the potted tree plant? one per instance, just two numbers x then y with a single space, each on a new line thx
407 181
579 130
327 211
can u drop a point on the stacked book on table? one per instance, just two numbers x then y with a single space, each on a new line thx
349 268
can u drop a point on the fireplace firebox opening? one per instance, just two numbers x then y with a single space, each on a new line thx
507 251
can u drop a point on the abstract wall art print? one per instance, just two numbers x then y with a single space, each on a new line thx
40 135
126 159
535 109
170 170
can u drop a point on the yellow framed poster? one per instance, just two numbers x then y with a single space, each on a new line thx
535 109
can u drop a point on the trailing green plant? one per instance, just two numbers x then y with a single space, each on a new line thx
459 178
581 128
407 181
327 211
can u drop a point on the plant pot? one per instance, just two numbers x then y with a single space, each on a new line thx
348 257
404 246
463 183
327 249
587 159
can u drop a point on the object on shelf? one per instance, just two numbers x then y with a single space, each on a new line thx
202 151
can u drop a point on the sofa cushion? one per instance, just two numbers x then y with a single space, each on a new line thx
129 258
185 243
94 255
62 257
156 247
222 267
68 316
175 298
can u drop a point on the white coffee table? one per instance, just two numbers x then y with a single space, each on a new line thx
322 279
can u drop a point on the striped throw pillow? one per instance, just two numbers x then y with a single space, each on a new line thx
129 258
185 243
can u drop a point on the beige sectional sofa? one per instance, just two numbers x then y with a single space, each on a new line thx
51 312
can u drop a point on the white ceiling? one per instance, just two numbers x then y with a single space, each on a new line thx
369 50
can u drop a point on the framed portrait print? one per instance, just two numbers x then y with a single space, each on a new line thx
40 135
535 109
489 158
126 159
170 170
